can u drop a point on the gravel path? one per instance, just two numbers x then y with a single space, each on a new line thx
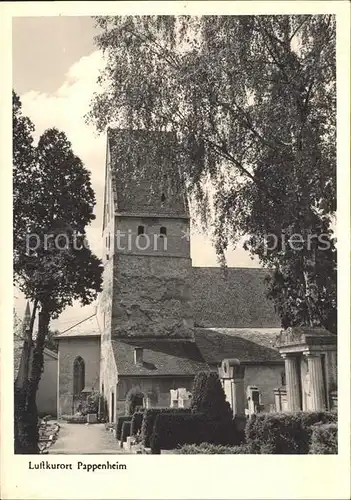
85 439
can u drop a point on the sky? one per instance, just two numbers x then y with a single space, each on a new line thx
55 67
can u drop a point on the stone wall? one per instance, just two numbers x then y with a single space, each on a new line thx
151 297
70 348
175 244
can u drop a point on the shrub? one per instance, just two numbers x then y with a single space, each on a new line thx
133 398
149 420
75 419
324 439
119 423
125 430
212 449
173 430
284 433
139 409
137 420
208 397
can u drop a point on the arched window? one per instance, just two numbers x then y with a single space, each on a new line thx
163 198
78 375
163 231
140 230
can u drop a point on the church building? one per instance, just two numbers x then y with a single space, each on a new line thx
159 320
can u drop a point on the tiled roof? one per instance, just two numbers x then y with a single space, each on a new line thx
246 344
144 167
89 327
159 358
231 298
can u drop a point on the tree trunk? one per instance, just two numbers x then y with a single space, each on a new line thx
21 417
27 423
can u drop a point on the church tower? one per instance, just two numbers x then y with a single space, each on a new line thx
146 229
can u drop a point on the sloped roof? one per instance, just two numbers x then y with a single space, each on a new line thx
246 344
144 167
89 327
160 358
17 354
231 298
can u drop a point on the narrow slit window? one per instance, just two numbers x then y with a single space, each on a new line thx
163 197
163 231
141 230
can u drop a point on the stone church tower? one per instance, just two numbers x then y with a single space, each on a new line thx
146 239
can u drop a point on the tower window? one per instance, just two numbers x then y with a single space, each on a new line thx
141 230
163 197
163 231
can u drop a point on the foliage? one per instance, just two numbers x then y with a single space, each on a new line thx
172 430
133 396
324 440
149 421
53 203
137 420
212 449
208 397
125 431
252 100
284 433
17 326
119 424
50 341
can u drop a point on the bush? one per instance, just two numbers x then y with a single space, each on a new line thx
139 409
133 397
149 421
208 397
125 430
137 420
119 423
324 439
75 419
212 449
284 433
173 430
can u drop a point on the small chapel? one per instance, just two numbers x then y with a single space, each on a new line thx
160 320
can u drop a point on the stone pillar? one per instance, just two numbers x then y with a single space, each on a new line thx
292 383
238 395
316 382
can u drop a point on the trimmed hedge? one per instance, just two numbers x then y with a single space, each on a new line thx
75 419
137 420
119 423
324 440
174 430
284 433
212 449
149 421
125 431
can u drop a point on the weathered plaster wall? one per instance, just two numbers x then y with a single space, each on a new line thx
160 387
151 297
108 376
69 349
47 390
266 378
176 242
